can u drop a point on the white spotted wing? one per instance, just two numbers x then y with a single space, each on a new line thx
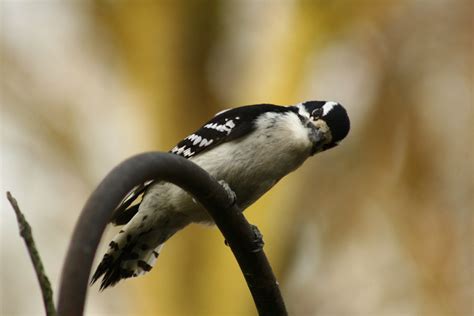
225 126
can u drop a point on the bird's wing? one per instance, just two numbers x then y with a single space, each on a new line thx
125 210
226 126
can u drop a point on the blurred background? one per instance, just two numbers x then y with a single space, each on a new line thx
381 225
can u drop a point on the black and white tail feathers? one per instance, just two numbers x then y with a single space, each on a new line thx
125 258
134 250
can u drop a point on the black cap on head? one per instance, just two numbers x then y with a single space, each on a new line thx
338 121
333 114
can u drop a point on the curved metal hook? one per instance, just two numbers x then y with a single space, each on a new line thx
196 181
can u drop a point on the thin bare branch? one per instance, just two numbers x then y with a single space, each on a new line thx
27 235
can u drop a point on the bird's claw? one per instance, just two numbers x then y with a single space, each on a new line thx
231 194
258 239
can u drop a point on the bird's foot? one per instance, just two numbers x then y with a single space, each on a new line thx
258 239
231 194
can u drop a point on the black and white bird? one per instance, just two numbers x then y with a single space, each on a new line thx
249 148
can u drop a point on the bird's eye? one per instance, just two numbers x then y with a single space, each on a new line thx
317 113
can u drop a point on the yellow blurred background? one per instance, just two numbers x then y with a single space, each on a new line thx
381 225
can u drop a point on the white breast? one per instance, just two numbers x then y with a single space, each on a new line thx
253 164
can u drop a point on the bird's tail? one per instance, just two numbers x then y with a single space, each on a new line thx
128 256
134 251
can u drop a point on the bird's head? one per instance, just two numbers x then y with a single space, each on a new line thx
328 121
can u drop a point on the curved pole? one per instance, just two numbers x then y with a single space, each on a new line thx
187 175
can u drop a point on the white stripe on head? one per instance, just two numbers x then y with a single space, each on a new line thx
302 110
328 107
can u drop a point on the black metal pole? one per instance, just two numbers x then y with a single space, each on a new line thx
205 189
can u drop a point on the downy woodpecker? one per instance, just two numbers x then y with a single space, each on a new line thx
250 148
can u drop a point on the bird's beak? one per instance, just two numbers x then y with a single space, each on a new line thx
320 136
